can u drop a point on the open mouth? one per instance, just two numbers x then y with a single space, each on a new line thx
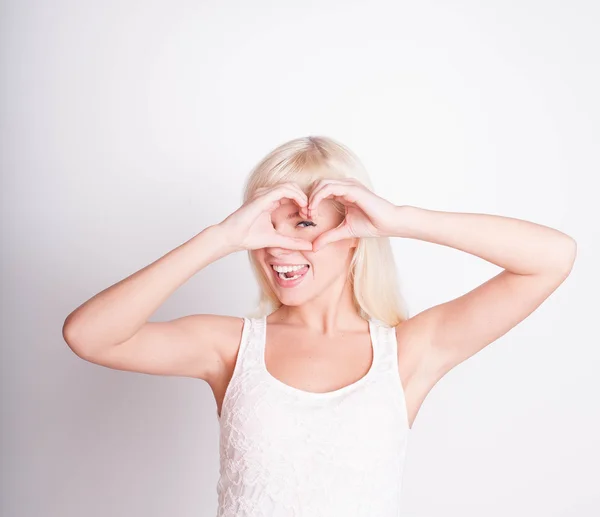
290 274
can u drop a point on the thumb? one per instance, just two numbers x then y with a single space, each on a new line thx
337 234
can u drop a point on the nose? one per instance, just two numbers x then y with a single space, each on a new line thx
275 252
283 254
279 253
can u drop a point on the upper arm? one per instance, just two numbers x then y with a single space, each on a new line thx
461 327
188 347
435 340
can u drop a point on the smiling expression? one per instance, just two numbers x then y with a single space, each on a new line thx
325 267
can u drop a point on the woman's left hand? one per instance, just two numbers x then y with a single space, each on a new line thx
367 214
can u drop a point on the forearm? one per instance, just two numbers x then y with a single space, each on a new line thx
117 313
519 246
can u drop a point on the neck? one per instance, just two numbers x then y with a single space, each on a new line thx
329 314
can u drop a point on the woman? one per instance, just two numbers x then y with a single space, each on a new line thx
316 393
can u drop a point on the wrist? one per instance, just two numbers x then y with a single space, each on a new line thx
402 223
225 242
217 239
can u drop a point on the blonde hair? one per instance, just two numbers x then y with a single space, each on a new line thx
373 270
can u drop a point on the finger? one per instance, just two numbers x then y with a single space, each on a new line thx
318 187
303 206
273 198
296 187
344 193
290 243
337 234
296 193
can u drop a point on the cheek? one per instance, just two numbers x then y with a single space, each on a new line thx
258 257
333 257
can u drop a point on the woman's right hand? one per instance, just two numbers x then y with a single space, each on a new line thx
250 226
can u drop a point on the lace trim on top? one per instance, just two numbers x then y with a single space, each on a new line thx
288 452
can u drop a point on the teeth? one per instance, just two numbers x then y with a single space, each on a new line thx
288 269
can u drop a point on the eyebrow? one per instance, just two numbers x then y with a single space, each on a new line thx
291 215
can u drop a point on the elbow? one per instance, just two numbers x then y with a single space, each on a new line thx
571 254
70 337
566 258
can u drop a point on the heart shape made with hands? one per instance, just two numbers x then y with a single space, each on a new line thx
366 213
322 215
328 211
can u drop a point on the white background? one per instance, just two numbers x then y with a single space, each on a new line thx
129 126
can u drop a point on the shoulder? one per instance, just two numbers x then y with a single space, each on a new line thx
227 335
215 326
224 332
221 333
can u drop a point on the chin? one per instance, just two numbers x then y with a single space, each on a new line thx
292 303
293 297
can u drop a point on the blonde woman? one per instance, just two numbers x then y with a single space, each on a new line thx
317 390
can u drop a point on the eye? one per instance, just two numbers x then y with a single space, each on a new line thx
310 223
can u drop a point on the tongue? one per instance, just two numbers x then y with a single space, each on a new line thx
298 272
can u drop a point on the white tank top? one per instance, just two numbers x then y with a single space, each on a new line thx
286 452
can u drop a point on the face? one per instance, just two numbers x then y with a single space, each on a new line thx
328 266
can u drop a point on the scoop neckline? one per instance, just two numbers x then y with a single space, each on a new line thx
316 394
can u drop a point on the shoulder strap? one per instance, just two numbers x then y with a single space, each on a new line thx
252 336
245 344
386 342
242 368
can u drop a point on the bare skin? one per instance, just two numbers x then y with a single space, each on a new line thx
337 362
317 324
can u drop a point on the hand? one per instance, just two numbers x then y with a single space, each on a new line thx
250 226
367 214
